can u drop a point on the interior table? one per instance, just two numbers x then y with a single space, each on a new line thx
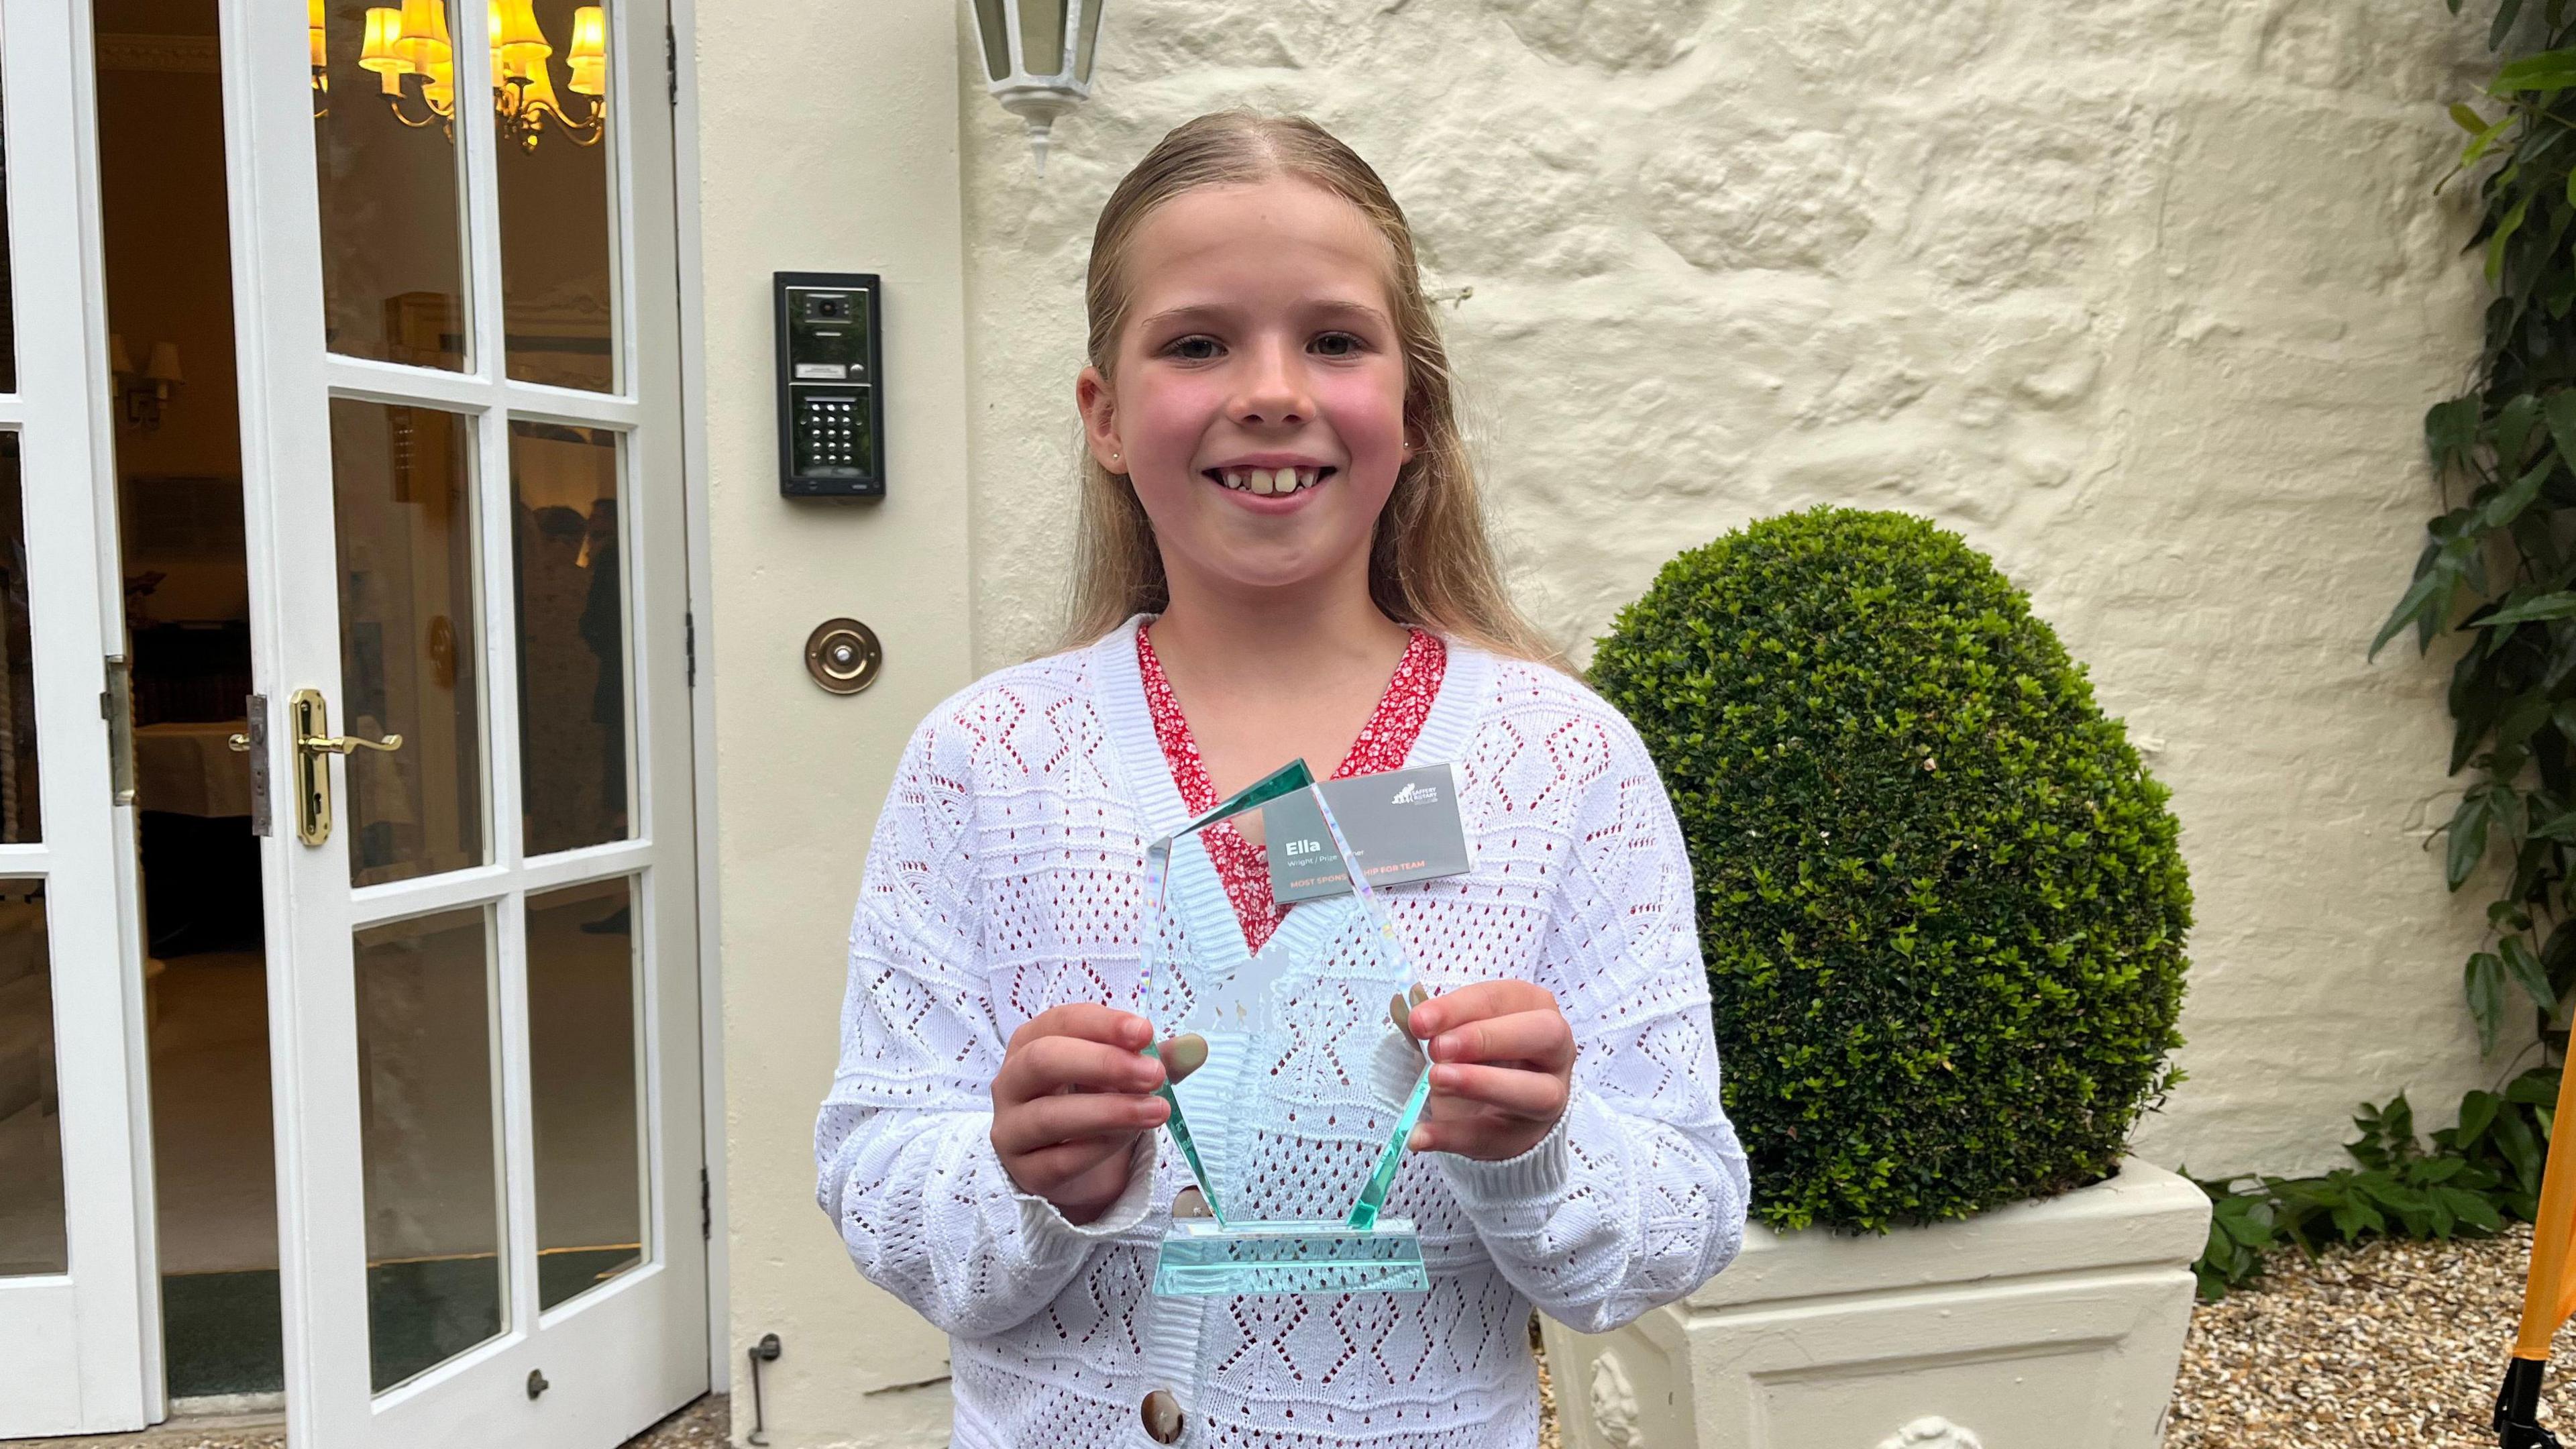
200 859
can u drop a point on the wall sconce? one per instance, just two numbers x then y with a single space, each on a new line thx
1037 59
145 392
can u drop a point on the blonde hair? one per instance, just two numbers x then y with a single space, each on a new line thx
1431 562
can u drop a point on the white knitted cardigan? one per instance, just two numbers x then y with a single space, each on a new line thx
1005 877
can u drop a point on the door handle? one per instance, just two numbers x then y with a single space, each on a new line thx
348 744
313 741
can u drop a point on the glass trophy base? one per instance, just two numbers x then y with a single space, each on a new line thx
1203 1257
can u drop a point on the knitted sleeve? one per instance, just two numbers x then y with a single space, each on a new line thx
1638 1196
903 1149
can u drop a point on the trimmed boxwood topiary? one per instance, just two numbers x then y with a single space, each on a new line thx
1940 899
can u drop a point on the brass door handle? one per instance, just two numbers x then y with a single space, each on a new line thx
313 740
343 744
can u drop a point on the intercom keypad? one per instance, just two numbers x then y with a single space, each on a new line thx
831 433
831 419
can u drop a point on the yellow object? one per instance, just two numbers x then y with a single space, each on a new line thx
313 740
384 28
589 51
2549 1294
414 40
539 97
440 89
517 44
509 66
424 41
313 17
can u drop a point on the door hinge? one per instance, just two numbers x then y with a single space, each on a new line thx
116 706
706 1210
689 641
671 60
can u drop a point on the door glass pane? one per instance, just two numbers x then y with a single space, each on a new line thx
20 820
558 271
393 226
583 1090
572 635
428 1104
31 1135
402 496
8 298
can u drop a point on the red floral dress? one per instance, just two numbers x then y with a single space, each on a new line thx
1381 746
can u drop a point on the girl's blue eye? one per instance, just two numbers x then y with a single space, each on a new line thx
1355 343
1175 348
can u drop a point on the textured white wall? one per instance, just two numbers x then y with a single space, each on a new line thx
2145 297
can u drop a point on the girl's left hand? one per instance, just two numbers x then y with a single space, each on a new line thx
1502 1063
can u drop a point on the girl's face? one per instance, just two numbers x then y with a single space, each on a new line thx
1256 401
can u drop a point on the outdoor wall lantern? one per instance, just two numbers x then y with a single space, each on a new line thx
1037 59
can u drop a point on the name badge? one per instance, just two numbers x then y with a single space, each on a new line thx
1403 825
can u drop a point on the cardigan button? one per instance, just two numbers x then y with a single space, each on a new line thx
1162 1417
1189 1202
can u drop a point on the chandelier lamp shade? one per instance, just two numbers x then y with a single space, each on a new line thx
321 62
1037 59
412 41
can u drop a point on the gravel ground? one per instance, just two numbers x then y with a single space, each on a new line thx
2388 1343
1546 1395
700 1425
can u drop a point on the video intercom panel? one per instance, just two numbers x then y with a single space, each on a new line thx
831 385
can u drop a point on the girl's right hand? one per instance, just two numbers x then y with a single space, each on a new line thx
1074 1091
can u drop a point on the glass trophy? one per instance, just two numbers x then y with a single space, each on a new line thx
1292 1072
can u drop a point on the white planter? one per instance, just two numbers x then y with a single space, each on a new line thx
2044 1325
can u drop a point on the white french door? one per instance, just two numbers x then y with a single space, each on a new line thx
79 1315
458 337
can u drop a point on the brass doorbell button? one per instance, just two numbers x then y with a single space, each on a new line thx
843 655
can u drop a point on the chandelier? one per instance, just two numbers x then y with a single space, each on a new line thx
413 41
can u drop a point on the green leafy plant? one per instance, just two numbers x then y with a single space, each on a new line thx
1940 899
2471 1180
2497 571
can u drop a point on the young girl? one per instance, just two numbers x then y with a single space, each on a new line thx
1281 556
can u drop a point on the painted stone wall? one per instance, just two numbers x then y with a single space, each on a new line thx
2145 297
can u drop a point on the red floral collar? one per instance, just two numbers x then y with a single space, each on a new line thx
1381 745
